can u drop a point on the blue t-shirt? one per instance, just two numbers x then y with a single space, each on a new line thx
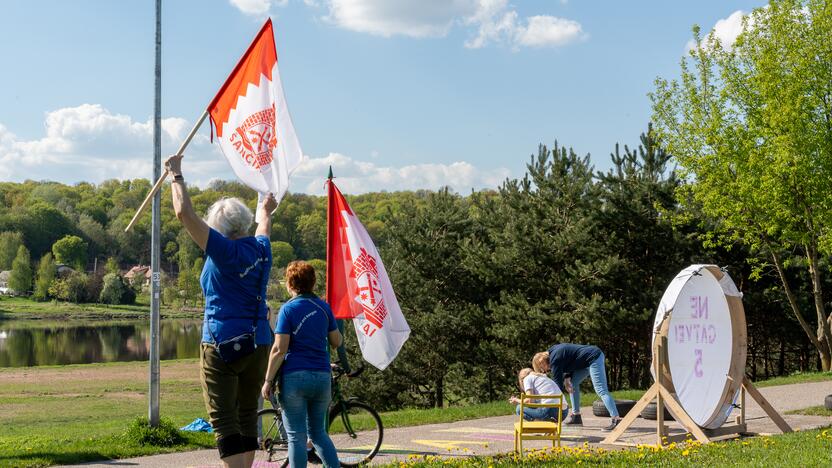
234 281
307 320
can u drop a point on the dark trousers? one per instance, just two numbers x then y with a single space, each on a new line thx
231 390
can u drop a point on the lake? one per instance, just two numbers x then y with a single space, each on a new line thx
46 343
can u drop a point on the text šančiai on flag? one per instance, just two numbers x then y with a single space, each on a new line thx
251 120
357 285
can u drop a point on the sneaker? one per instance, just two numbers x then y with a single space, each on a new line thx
574 420
312 457
612 426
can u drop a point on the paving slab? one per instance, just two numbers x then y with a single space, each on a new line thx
489 436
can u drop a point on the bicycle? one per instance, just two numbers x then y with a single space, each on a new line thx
354 427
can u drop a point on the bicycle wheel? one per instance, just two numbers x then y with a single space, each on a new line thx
356 432
272 439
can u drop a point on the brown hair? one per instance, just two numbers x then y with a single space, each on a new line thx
539 361
300 277
522 375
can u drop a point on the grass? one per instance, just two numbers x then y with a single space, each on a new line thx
809 448
25 308
72 414
798 377
812 411
77 413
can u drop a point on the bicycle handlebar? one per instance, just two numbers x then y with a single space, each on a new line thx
338 371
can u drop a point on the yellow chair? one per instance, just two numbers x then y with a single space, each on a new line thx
538 430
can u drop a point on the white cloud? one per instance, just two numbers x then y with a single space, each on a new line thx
413 18
257 7
726 30
504 27
494 21
354 176
90 143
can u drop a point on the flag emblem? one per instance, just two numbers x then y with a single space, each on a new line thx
255 139
370 295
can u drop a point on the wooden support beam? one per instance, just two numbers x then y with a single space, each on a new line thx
766 406
632 415
726 430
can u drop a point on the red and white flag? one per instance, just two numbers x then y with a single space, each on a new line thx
357 285
251 120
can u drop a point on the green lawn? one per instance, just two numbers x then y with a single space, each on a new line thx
810 448
70 414
25 308
813 411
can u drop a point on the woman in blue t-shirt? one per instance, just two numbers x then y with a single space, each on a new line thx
304 325
234 281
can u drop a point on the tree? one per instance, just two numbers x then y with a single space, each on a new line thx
638 224
72 251
111 266
116 291
282 254
10 243
312 231
750 124
21 278
45 276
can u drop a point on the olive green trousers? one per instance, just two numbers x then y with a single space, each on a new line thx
231 391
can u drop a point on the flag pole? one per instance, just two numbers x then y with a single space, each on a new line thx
158 184
341 350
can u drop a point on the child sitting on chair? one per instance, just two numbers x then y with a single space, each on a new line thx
535 383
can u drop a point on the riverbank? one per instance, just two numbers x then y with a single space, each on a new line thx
76 413
20 308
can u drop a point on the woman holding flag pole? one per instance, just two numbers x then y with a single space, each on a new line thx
236 336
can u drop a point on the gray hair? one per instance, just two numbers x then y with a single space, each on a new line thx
230 217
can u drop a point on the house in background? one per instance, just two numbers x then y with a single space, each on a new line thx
4 282
138 275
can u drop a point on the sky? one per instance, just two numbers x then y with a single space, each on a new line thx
393 94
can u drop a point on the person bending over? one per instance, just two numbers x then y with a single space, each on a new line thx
569 364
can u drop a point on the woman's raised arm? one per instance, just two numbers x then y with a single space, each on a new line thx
195 226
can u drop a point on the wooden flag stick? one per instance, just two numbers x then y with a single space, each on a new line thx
158 184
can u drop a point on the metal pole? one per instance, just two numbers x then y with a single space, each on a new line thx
155 286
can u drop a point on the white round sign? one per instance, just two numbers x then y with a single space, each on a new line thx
702 317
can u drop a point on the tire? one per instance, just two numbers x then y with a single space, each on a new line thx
650 413
272 440
363 442
624 407
828 402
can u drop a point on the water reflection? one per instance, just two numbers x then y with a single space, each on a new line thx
24 343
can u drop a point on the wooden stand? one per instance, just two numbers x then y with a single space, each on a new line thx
665 398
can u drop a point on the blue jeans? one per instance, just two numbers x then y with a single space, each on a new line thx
537 414
305 397
598 374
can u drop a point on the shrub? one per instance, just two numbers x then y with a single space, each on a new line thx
95 283
73 288
115 291
165 435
